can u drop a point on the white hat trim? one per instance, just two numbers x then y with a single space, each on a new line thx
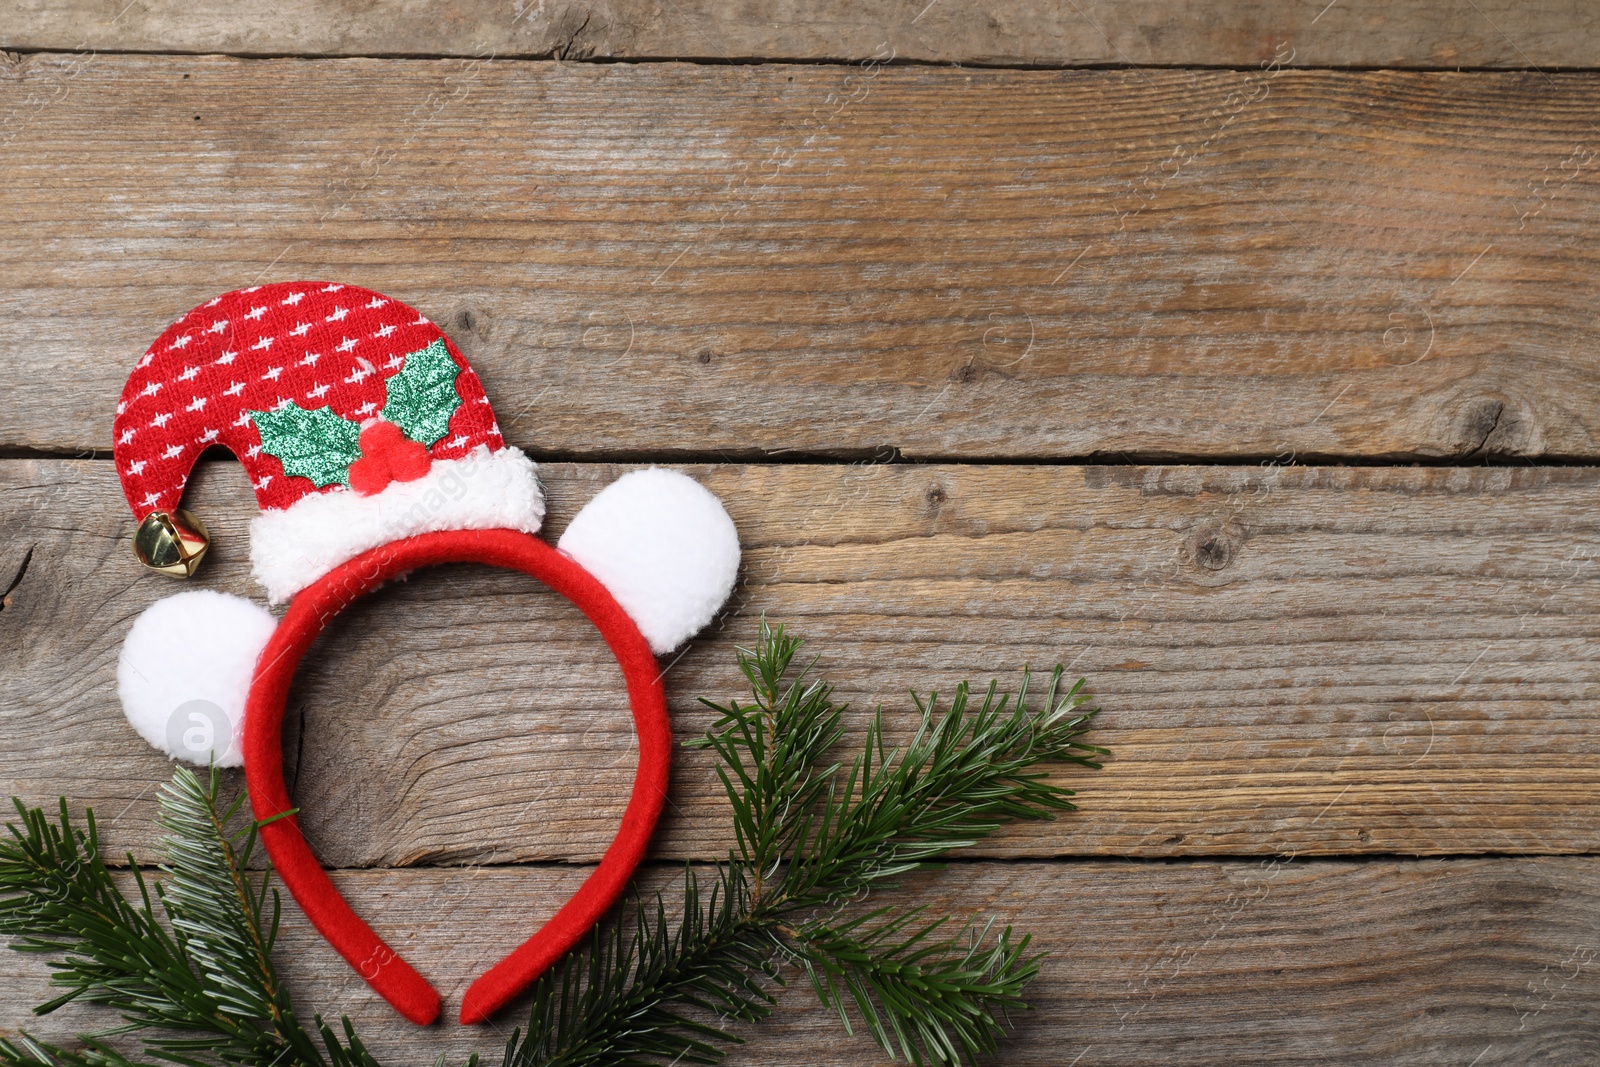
484 490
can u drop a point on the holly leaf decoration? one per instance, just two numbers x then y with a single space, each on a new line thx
315 444
422 395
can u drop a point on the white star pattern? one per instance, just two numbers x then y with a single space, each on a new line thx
213 302
202 335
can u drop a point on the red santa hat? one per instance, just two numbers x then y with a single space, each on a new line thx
356 418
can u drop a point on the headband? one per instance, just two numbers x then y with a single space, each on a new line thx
373 452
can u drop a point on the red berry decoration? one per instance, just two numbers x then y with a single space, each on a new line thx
387 455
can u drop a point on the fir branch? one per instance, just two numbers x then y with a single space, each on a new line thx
810 843
204 993
57 897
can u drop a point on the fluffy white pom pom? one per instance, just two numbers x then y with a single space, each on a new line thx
663 546
185 672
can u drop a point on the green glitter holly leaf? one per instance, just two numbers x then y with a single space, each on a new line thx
315 444
422 395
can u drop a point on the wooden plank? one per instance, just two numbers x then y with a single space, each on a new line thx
1389 962
1315 660
676 260
1236 33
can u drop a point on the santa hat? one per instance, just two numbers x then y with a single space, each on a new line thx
359 423
357 420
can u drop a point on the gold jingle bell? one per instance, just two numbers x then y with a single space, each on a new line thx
171 542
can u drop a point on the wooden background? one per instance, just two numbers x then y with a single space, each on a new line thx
1240 355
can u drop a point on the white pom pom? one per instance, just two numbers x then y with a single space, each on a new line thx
663 546
185 672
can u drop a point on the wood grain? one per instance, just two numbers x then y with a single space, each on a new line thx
672 260
1291 660
1233 33
1389 962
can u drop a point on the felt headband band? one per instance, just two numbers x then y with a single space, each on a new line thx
311 611
373 451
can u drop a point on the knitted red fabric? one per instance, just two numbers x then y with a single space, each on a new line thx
394 979
318 344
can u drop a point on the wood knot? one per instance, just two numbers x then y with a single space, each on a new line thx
936 497
473 322
1483 426
703 356
1213 544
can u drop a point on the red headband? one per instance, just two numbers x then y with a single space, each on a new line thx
311 611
